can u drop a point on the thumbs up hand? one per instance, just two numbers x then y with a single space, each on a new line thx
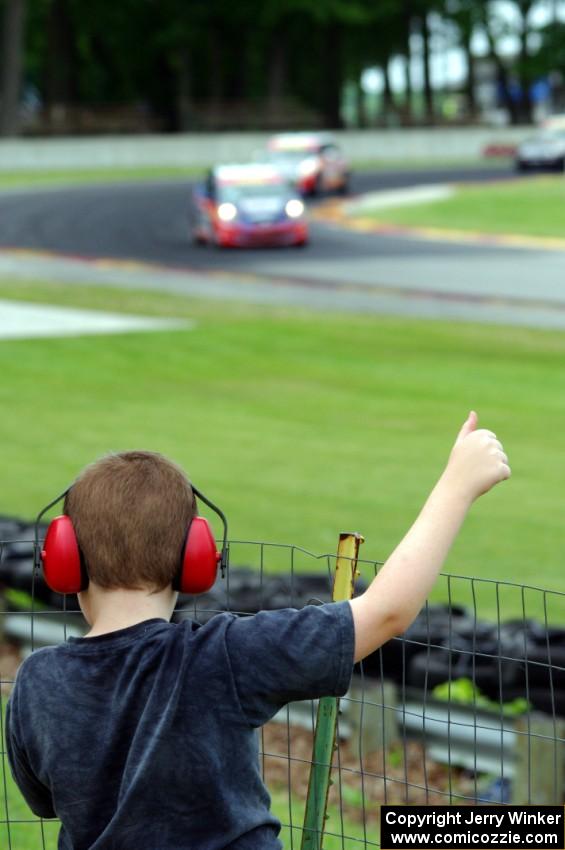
477 461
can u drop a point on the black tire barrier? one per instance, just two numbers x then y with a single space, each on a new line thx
500 680
494 678
16 563
248 592
434 626
520 657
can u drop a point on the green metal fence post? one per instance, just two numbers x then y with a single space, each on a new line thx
326 720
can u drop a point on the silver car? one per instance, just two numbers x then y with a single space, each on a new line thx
544 151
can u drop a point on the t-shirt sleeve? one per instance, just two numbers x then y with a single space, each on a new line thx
280 656
36 795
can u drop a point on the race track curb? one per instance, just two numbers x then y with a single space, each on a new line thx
334 212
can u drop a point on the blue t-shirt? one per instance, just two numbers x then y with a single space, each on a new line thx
145 738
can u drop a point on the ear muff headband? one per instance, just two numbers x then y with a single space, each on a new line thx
200 559
64 570
223 560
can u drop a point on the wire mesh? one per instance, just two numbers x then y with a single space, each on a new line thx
468 706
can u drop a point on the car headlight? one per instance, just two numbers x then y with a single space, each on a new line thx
227 212
308 166
294 208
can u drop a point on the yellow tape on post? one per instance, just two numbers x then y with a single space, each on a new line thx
346 565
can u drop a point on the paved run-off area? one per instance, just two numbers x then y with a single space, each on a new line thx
466 286
25 321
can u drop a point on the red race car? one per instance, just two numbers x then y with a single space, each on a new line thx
312 161
248 206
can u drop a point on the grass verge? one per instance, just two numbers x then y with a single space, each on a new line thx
527 207
71 177
301 425
76 176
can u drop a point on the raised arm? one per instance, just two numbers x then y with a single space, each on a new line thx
391 602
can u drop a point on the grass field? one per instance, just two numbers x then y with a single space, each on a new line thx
530 207
300 425
13 179
75 177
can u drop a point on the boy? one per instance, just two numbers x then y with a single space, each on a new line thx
141 735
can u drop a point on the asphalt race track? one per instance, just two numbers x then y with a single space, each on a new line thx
340 269
148 222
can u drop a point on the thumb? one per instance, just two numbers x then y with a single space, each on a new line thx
468 426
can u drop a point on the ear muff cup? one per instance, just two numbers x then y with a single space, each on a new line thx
200 559
62 564
64 571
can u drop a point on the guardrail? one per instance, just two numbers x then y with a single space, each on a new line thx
439 145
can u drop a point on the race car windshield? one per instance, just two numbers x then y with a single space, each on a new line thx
232 192
549 136
292 156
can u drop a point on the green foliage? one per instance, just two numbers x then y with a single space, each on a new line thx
550 55
464 692
396 756
18 599
162 54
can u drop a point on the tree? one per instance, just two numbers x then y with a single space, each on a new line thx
12 65
465 15
181 60
526 69
516 75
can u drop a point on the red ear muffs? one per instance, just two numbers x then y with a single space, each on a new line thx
200 559
62 564
64 571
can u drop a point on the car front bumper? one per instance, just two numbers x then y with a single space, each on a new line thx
541 162
249 236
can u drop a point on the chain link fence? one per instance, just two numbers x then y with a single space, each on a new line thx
466 707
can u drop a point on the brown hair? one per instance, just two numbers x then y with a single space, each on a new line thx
131 512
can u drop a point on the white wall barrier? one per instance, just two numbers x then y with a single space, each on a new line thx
185 150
